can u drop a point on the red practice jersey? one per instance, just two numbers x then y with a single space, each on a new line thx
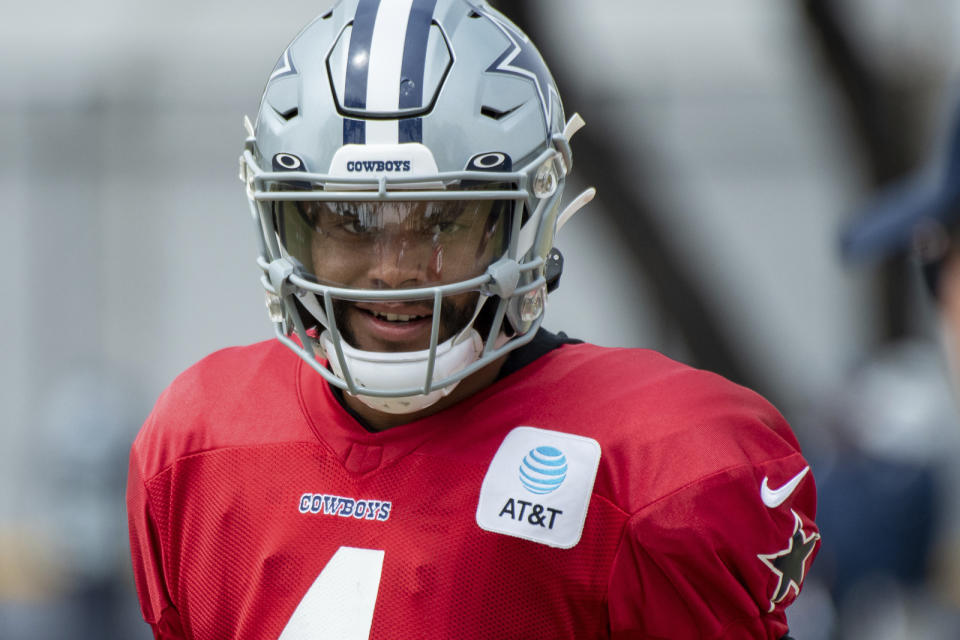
595 493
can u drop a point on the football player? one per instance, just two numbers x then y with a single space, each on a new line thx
414 456
921 216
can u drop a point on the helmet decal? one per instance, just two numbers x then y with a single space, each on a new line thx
490 161
522 60
284 67
287 162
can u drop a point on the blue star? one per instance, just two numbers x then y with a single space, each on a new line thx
790 564
522 59
284 67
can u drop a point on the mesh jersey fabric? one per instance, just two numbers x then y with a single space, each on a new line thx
671 545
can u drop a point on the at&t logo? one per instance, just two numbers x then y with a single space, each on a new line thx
539 485
543 470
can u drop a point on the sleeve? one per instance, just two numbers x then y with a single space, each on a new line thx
145 551
720 558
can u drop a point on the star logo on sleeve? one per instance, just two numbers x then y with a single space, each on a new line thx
790 564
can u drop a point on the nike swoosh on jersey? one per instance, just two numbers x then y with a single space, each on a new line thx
775 497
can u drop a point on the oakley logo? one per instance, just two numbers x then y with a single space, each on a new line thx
378 165
287 162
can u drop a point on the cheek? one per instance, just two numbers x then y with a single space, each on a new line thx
333 263
470 256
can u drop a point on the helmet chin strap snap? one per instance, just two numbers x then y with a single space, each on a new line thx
386 371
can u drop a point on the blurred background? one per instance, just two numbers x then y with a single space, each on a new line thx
729 141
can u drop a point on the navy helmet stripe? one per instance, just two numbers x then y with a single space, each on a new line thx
354 131
415 53
412 67
358 66
411 130
358 58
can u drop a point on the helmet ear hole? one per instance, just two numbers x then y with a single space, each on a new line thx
554 269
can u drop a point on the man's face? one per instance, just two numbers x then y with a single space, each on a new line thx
402 245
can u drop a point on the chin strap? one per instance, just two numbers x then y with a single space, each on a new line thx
387 371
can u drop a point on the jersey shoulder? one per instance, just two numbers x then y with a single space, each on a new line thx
721 502
662 425
236 396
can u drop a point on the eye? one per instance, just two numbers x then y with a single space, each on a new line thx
354 225
445 226
309 212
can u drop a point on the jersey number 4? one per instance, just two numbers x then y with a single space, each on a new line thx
339 604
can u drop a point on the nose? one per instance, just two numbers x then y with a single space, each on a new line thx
404 261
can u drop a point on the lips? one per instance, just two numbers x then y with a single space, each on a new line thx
390 326
396 311
398 317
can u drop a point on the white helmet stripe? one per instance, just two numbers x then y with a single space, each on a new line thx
385 70
386 58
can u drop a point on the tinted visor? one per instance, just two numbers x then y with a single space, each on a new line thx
393 244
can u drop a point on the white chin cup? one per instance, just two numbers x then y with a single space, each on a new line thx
385 371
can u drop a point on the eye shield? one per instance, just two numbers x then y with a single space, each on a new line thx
393 245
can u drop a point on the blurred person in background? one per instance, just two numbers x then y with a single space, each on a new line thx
414 456
70 572
891 520
884 505
921 216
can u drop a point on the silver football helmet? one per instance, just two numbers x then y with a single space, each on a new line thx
405 174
